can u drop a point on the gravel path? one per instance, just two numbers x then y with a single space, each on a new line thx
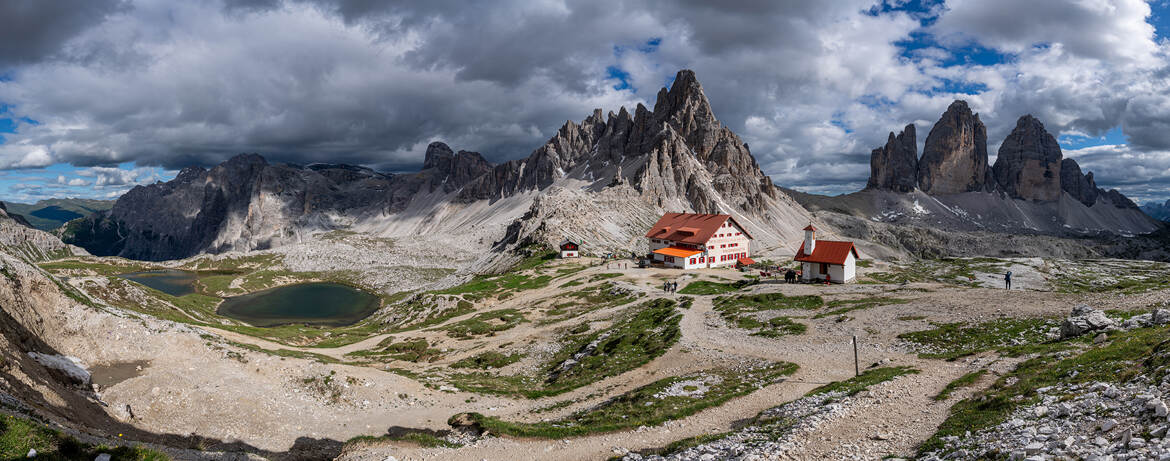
196 384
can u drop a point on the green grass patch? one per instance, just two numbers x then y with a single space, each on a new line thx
739 310
415 350
1144 351
18 435
780 326
1009 336
485 324
1097 276
767 301
642 334
421 438
106 266
953 271
960 382
487 360
649 405
704 287
504 285
859 383
589 299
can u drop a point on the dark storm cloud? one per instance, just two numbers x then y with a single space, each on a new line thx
811 86
33 29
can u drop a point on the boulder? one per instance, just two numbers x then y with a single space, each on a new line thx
895 166
1160 316
1085 319
1028 166
954 159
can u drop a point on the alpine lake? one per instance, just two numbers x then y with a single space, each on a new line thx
311 303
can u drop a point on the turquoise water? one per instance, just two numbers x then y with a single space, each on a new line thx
329 304
170 281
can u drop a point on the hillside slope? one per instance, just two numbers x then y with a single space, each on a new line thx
50 214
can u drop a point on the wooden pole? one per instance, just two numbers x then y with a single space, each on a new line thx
856 365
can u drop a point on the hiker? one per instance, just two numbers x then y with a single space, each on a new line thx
666 286
1007 280
828 279
673 287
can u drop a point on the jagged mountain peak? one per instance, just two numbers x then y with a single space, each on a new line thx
954 158
438 154
895 166
685 106
1028 166
244 159
1028 120
959 107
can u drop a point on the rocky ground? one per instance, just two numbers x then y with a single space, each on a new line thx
235 391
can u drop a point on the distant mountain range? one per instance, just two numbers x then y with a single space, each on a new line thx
604 180
50 214
601 181
1158 210
1031 188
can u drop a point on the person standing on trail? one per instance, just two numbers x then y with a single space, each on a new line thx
1007 280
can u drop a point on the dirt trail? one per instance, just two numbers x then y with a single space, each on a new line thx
272 406
824 355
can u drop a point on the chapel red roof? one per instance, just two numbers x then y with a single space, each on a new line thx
810 227
827 251
693 228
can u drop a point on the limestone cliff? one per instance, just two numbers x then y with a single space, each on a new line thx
1028 166
954 159
895 166
1079 186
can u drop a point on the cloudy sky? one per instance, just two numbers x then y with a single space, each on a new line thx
99 95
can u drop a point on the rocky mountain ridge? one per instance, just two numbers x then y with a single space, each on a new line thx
1029 166
1158 210
895 166
50 214
676 157
19 238
657 152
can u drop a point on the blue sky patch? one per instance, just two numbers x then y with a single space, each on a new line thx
622 77
1111 138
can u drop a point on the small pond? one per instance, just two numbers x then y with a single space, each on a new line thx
170 281
110 374
320 303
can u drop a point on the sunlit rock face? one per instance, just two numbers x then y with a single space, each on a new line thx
954 159
1028 166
